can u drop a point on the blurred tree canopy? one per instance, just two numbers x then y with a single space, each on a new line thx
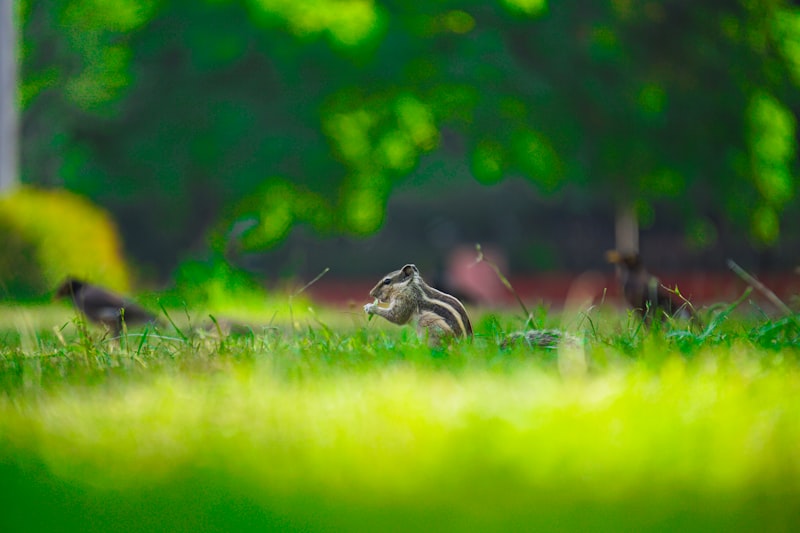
234 120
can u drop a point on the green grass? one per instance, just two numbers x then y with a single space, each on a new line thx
322 421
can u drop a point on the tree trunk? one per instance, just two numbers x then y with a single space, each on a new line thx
9 118
627 230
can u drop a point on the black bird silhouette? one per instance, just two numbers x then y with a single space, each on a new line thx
643 291
103 307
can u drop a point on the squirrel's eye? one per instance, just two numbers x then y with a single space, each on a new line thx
387 281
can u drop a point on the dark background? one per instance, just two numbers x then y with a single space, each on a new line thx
360 136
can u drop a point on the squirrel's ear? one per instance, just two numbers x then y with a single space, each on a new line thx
409 270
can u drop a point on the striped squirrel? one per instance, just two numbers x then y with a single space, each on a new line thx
410 298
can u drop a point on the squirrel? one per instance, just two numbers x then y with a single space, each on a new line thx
410 298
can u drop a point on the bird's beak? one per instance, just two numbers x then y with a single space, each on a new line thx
613 257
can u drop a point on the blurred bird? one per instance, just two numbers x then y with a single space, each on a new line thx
643 291
103 307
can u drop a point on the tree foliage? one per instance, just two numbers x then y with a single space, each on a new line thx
238 119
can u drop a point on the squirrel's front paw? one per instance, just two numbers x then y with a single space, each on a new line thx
369 308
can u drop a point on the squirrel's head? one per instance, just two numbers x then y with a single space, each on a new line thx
394 282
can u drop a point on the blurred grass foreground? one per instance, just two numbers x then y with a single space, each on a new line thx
371 431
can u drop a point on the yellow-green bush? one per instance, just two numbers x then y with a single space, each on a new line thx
46 235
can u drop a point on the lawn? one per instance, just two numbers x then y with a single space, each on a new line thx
319 420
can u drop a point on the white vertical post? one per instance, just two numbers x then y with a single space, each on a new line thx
9 114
